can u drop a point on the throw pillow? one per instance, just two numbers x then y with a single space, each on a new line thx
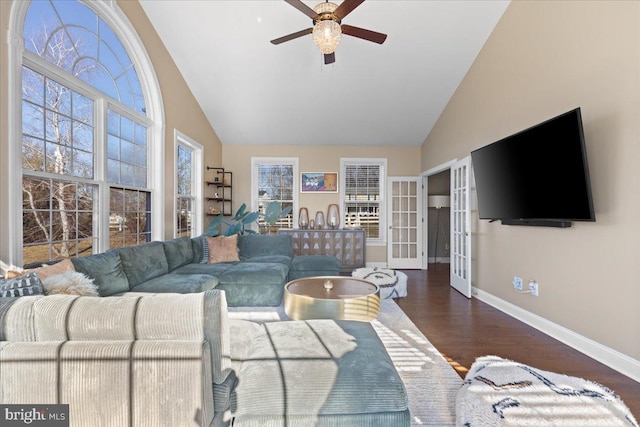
28 284
70 283
16 272
223 249
57 268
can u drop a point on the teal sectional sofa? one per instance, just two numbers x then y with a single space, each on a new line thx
180 266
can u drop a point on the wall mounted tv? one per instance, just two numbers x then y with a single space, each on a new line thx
538 176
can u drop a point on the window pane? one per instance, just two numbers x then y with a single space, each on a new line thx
275 184
55 215
128 159
363 197
129 217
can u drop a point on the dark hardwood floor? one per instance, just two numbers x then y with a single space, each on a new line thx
463 329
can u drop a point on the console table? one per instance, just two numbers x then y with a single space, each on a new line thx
346 244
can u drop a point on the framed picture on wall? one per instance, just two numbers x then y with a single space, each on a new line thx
319 182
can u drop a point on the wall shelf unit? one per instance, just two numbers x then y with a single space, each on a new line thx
222 200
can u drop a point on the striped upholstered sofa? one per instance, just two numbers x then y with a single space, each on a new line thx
178 360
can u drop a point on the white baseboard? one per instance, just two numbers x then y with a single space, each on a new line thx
614 359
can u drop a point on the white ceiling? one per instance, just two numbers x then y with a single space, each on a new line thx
254 92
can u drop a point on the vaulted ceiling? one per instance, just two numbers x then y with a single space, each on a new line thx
254 92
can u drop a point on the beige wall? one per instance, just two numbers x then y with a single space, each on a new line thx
545 58
181 110
403 161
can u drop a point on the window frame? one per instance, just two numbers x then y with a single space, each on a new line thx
18 56
197 182
381 162
282 161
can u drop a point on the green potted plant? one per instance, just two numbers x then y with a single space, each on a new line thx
238 224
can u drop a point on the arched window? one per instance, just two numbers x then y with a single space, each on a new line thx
88 141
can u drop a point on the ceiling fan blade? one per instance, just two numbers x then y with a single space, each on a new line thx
303 8
292 36
346 7
361 33
329 58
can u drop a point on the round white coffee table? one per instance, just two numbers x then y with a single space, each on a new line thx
331 297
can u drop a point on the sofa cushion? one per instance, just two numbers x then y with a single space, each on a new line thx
316 262
252 245
106 271
143 262
254 284
223 249
178 252
210 269
178 283
280 259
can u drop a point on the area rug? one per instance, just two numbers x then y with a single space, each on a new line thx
431 383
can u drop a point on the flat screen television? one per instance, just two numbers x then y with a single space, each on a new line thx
538 176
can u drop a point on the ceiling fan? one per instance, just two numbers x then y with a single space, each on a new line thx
327 29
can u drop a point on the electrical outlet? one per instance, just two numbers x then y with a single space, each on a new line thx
533 287
517 283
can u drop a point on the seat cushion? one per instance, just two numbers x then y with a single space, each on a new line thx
210 269
315 262
178 283
281 259
338 370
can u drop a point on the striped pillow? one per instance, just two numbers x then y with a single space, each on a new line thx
205 250
28 284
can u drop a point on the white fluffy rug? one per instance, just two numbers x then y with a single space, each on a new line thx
430 381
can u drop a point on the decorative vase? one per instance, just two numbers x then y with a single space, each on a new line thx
312 224
319 220
333 216
303 218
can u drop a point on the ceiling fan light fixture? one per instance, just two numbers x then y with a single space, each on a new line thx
326 28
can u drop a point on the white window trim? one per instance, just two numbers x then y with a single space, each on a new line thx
382 162
275 161
197 149
122 27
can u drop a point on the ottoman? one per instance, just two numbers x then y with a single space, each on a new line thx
501 392
314 265
392 283
254 284
319 373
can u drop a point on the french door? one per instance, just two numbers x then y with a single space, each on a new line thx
461 227
404 213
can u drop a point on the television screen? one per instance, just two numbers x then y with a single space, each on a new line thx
540 173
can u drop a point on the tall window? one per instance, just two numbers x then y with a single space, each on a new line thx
275 179
362 195
188 186
85 136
